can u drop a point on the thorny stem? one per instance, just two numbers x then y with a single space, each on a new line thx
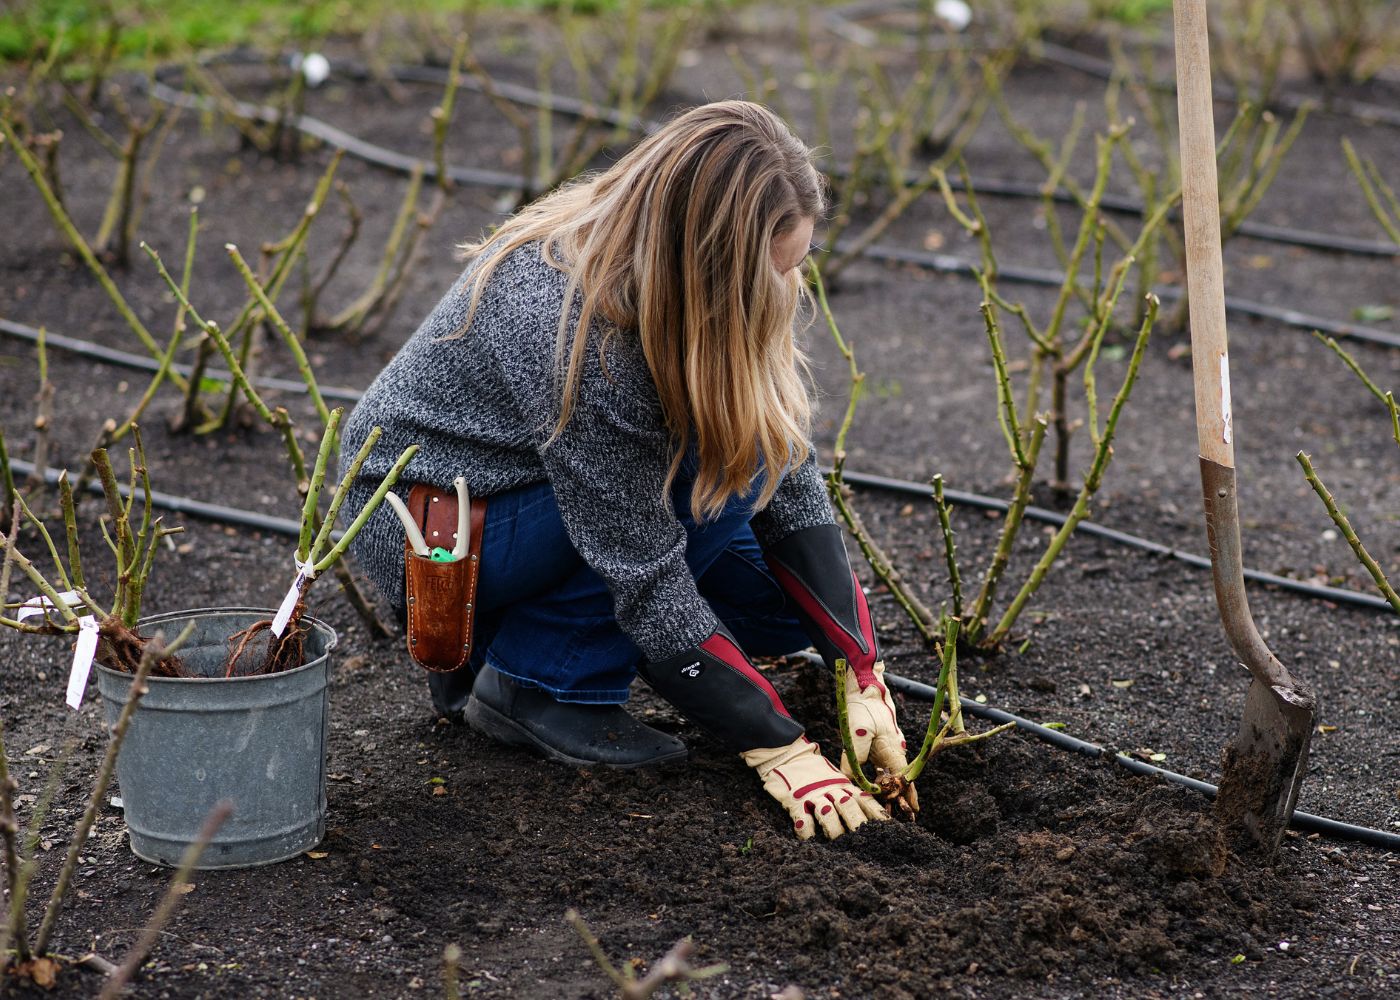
280 325
318 482
919 614
311 292
154 650
936 728
168 358
843 724
1088 224
278 419
922 618
48 542
1092 342
1042 151
1372 186
7 560
1015 512
857 376
371 505
75 238
117 980
7 484
16 928
1386 397
353 316
118 217
338 497
674 966
70 529
1092 480
510 111
9 832
442 114
950 549
1006 402
124 546
146 540
897 207
422 222
17 558
1344 525
1263 168
43 416
289 247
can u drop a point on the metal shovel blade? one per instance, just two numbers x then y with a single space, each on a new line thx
1265 765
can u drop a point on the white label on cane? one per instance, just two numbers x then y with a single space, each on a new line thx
284 610
1225 397
83 652
82 660
38 605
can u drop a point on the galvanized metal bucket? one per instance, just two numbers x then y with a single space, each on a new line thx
257 741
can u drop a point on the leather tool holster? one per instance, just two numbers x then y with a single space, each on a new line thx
441 596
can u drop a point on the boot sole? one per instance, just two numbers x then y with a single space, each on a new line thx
489 722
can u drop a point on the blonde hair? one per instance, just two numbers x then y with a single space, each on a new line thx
675 242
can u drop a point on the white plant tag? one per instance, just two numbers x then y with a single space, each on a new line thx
1227 432
284 610
38 605
83 653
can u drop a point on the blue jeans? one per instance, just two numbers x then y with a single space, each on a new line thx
545 619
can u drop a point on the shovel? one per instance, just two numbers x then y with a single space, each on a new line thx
1264 766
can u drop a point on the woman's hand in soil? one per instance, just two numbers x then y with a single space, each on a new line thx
811 789
875 733
812 568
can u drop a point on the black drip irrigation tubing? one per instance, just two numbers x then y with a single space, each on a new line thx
914 689
1129 206
218 513
944 263
952 264
529 97
937 263
963 498
144 362
840 22
1337 595
1299 821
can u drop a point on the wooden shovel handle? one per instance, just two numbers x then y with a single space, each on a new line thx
1205 281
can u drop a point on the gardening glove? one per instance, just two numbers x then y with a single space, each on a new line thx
875 731
812 568
716 687
812 791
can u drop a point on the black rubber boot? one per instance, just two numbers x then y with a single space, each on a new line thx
581 735
451 691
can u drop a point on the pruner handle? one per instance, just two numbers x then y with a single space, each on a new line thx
464 517
410 529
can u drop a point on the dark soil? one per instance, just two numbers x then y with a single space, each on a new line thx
1031 872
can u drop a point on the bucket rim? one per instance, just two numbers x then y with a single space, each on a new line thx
332 640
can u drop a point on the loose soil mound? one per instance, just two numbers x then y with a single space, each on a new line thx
1029 873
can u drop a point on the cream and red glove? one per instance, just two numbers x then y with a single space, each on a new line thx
875 731
810 788
812 567
715 686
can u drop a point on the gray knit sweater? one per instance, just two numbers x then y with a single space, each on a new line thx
483 405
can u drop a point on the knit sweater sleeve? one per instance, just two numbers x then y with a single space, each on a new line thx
608 470
800 501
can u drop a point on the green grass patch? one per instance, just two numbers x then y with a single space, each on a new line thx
141 29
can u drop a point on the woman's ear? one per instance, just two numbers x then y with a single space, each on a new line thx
789 249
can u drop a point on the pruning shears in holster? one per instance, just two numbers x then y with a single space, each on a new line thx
440 582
